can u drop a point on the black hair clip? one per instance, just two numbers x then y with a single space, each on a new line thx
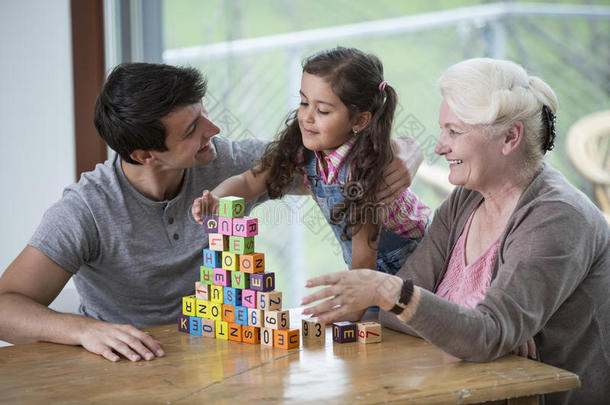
550 119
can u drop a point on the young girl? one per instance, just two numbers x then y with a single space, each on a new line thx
339 140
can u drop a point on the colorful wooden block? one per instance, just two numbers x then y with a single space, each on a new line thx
218 242
222 277
211 258
277 319
241 315
215 311
250 334
245 226
252 263
262 281
208 328
184 323
206 275
228 313
248 298
235 333
202 309
267 337
202 291
241 245
285 338
240 280
344 332
216 294
225 226
188 305
232 296
195 325
222 330
210 223
255 317
369 332
231 207
313 330
230 261
270 301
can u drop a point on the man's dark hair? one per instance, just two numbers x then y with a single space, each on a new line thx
135 97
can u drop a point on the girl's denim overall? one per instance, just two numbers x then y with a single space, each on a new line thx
393 249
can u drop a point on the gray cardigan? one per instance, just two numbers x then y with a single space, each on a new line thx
551 280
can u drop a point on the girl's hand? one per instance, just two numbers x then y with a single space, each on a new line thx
207 204
351 291
527 349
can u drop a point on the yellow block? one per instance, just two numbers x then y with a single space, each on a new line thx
216 294
222 330
215 311
188 305
230 261
203 309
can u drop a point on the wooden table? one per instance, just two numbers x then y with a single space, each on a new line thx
401 369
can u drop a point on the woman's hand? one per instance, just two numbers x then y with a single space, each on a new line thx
207 204
351 291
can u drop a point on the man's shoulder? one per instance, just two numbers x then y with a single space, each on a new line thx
101 181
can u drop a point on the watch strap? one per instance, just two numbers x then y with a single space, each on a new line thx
406 292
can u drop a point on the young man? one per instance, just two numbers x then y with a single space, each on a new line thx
124 231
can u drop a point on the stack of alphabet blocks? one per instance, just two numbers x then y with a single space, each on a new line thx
235 299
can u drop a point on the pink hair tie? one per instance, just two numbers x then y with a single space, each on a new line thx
382 85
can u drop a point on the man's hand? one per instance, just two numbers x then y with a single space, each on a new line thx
400 172
109 340
207 204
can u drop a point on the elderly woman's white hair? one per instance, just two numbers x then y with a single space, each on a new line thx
497 93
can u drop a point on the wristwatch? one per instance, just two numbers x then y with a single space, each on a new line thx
405 296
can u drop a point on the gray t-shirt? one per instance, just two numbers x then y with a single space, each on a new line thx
134 258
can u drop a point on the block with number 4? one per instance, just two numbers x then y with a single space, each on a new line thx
369 332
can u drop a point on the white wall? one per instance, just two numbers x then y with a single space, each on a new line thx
36 116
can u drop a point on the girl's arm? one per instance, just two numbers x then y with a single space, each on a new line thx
244 185
364 253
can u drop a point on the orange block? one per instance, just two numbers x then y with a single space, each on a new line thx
235 332
228 313
252 263
286 338
251 334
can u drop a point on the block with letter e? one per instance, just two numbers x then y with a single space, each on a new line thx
313 330
246 226
251 334
222 277
262 281
231 207
218 242
241 245
277 319
195 325
241 315
369 332
285 338
252 263
210 223
184 323
344 332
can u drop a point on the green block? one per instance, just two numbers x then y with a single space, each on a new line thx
241 245
231 207
206 275
240 280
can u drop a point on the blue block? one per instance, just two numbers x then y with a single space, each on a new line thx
241 315
232 296
212 258
195 325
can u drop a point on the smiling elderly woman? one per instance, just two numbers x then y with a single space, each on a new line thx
514 252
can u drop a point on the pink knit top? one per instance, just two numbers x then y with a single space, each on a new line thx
463 284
